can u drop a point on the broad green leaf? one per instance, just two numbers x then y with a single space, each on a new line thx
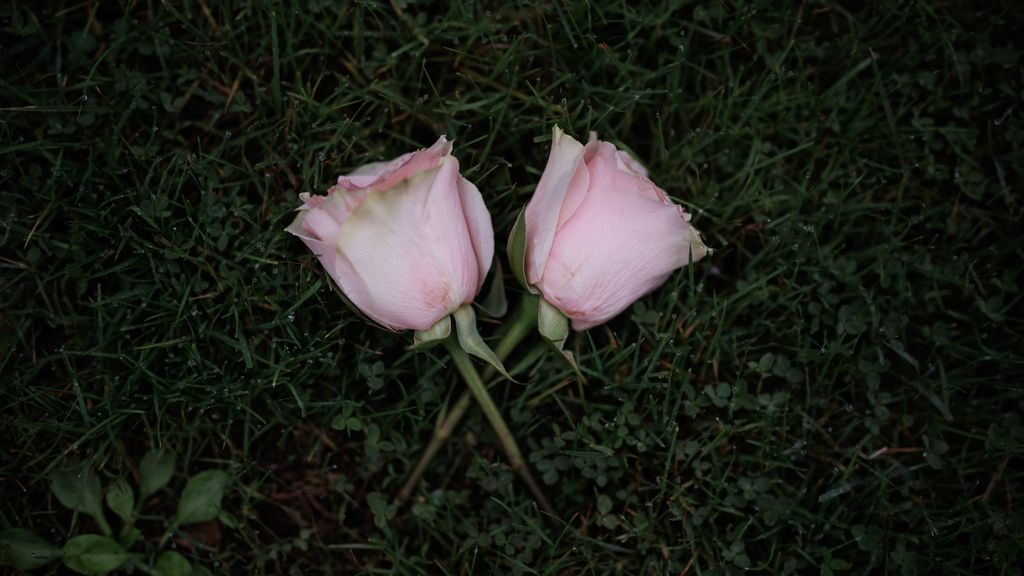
198 570
202 496
121 499
25 550
171 563
81 491
92 554
155 471
471 342
517 250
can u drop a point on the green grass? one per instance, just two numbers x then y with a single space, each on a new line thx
837 389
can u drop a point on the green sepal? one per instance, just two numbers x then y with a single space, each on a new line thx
552 324
495 304
471 342
439 332
517 251
571 361
554 328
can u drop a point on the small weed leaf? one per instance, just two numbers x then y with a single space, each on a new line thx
25 549
171 563
382 510
201 498
129 536
155 471
346 420
80 490
868 538
93 554
121 499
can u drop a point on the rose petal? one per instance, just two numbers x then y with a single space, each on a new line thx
478 221
620 244
324 251
380 175
606 167
544 212
411 243
626 161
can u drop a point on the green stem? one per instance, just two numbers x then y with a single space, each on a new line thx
476 386
520 327
167 534
138 563
104 526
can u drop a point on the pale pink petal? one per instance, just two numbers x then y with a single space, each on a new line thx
607 169
478 221
629 163
319 223
411 243
574 194
380 175
444 226
344 201
408 241
337 267
309 201
324 251
620 244
544 211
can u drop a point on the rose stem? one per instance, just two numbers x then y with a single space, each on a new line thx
519 328
476 385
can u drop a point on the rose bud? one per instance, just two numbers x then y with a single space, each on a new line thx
408 241
598 234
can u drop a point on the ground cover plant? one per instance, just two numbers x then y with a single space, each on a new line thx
835 390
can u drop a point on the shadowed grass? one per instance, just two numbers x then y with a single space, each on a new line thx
836 389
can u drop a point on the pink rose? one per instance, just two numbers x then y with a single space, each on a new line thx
600 234
408 241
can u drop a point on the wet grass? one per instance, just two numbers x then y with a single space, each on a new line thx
837 389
